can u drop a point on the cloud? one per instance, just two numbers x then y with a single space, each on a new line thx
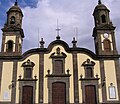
44 17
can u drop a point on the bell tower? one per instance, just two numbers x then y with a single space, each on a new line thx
13 35
103 32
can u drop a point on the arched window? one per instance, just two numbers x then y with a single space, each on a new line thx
12 20
107 47
103 18
10 46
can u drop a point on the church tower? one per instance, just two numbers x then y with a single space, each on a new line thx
12 32
103 31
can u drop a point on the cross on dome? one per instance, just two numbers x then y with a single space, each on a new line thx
58 30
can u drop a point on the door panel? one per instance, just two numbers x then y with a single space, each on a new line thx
90 95
58 93
27 95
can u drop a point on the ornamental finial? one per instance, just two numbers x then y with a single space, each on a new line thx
16 2
99 2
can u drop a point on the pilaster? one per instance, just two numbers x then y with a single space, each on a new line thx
75 78
41 77
14 81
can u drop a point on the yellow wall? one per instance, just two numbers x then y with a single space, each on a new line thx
68 65
6 81
82 58
13 38
35 59
110 74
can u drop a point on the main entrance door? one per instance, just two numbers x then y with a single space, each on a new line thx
90 95
27 95
58 93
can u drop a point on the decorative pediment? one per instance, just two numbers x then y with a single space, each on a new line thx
28 63
58 54
88 63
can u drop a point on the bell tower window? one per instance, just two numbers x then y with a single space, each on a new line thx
10 46
103 18
107 47
12 20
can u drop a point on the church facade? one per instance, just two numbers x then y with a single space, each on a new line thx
59 74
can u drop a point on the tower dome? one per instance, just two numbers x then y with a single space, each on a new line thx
101 14
100 6
15 8
14 17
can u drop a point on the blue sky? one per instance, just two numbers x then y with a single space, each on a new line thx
41 16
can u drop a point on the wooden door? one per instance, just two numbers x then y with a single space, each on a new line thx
58 93
27 95
90 95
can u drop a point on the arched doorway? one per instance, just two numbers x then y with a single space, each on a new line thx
58 93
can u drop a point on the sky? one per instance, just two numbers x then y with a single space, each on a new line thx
40 20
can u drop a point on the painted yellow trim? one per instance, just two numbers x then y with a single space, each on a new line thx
6 80
13 38
110 74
